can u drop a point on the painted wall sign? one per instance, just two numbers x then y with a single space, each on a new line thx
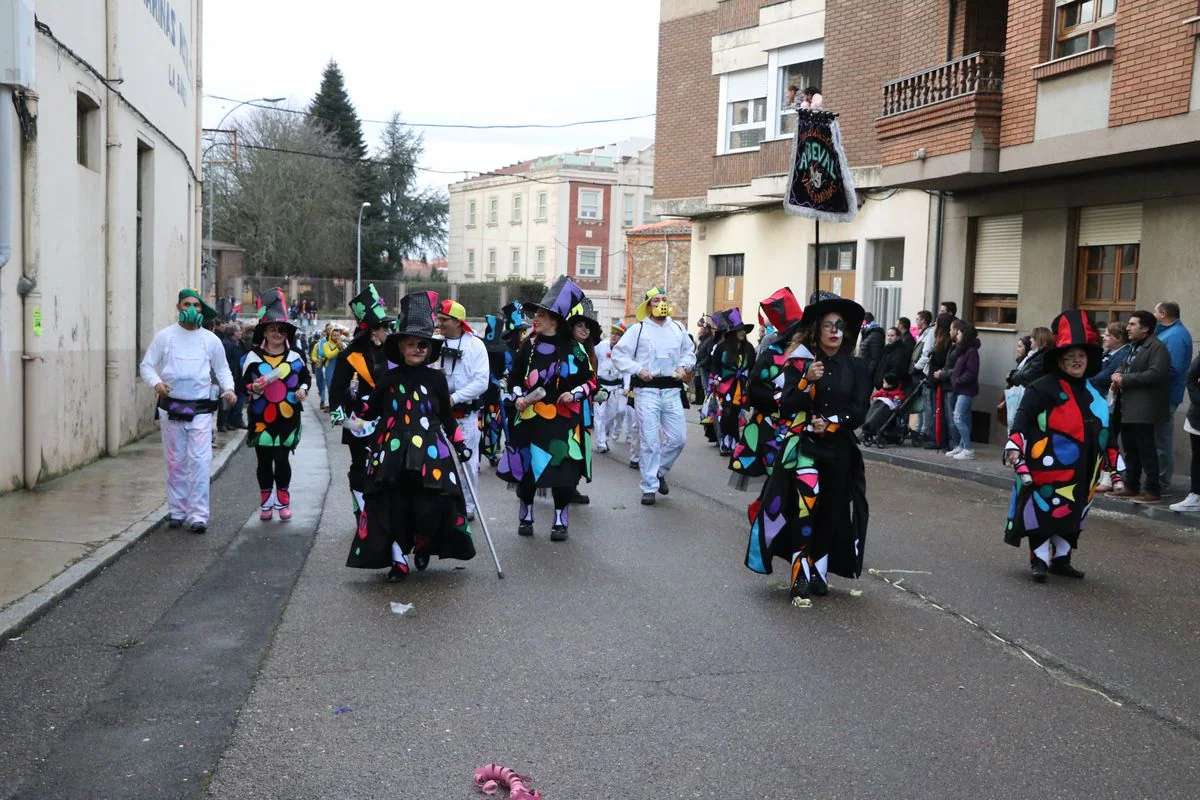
180 77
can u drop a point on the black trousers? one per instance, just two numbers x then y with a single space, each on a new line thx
561 494
1195 463
274 467
1141 458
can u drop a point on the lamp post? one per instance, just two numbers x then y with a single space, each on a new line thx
208 172
358 267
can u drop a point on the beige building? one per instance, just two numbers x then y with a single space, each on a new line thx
105 222
563 214
724 138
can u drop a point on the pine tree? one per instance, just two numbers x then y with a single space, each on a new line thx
332 110
413 220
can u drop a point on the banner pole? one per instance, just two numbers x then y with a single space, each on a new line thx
816 267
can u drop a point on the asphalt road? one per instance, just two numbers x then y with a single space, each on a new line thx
640 659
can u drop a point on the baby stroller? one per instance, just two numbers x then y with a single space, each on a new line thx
889 426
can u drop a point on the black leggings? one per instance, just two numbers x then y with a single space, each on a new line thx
561 494
274 467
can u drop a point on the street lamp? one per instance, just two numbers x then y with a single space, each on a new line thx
358 268
208 170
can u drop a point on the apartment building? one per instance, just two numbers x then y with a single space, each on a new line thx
100 135
1063 136
725 135
562 214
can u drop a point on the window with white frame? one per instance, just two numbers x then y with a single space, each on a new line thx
491 265
540 262
589 204
745 109
800 76
514 267
470 262
471 214
647 210
543 205
587 262
493 210
517 208
627 203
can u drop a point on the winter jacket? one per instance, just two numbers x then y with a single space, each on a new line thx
1030 370
1178 341
893 362
1146 385
870 350
947 369
234 351
1111 362
923 352
965 377
1193 390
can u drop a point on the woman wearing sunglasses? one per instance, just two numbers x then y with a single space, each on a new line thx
414 502
813 508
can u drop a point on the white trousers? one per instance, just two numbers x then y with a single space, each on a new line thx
606 415
662 431
187 451
469 425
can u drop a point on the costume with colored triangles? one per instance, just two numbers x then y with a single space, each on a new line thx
733 359
812 510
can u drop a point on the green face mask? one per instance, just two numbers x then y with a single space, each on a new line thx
191 316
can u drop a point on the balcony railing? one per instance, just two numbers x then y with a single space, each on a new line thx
978 73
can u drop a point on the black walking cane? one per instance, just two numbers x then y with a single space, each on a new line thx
465 479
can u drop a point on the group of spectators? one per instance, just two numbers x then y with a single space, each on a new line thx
304 309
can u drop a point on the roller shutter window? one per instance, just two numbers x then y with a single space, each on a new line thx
997 270
1108 255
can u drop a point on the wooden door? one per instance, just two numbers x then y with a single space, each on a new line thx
728 275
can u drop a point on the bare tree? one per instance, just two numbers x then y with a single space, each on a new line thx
289 198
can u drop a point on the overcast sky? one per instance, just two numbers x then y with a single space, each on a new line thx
453 61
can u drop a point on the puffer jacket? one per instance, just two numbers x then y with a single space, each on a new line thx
965 378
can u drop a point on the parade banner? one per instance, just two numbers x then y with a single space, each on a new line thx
820 185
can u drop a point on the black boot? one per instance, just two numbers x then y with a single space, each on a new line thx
558 533
817 586
578 499
799 582
1037 570
421 561
1062 566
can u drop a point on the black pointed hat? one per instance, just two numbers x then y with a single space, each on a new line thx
273 310
1074 329
585 311
368 308
416 318
514 320
559 300
730 320
821 303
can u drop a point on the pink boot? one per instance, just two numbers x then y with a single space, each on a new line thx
285 499
267 509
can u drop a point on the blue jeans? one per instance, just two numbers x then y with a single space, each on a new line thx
960 430
320 372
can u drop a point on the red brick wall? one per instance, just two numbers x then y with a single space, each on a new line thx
1030 25
688 92
1152 70
577 235
734 15
941 129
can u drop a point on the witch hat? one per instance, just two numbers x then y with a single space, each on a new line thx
730 320
416 318
1074 329
368 308
821 303
273 310
780 311
513 316
563 296
585 312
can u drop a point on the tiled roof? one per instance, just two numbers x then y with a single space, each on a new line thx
666 227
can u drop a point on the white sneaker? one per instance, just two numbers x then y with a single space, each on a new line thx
954 453
1189 503
965 455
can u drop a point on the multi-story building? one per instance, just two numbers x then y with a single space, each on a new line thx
563 214
1061 136
724 137
99 157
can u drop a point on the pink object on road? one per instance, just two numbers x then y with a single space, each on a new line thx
493 777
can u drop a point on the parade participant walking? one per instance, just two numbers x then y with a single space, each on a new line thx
586 330
491 416
756 451
1058 446
733 360
277 381
465 362
813 509
415 507
710 406
355 375
656 353
550 378
704 347
179 365
610 394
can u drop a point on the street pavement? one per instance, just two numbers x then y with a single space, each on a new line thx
640 659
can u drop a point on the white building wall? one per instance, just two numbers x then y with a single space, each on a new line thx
528 235
70 247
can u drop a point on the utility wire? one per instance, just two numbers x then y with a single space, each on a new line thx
444 125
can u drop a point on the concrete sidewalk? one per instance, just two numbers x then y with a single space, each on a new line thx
60 534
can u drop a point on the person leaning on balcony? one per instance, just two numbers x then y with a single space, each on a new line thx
813 98
1145 386
1178 341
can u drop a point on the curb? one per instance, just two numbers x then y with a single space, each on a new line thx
1190 522
24 612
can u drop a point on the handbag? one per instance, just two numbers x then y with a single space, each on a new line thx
1012 401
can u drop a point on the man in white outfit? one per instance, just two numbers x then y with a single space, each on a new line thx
465 362
657 353
181 366
610 381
